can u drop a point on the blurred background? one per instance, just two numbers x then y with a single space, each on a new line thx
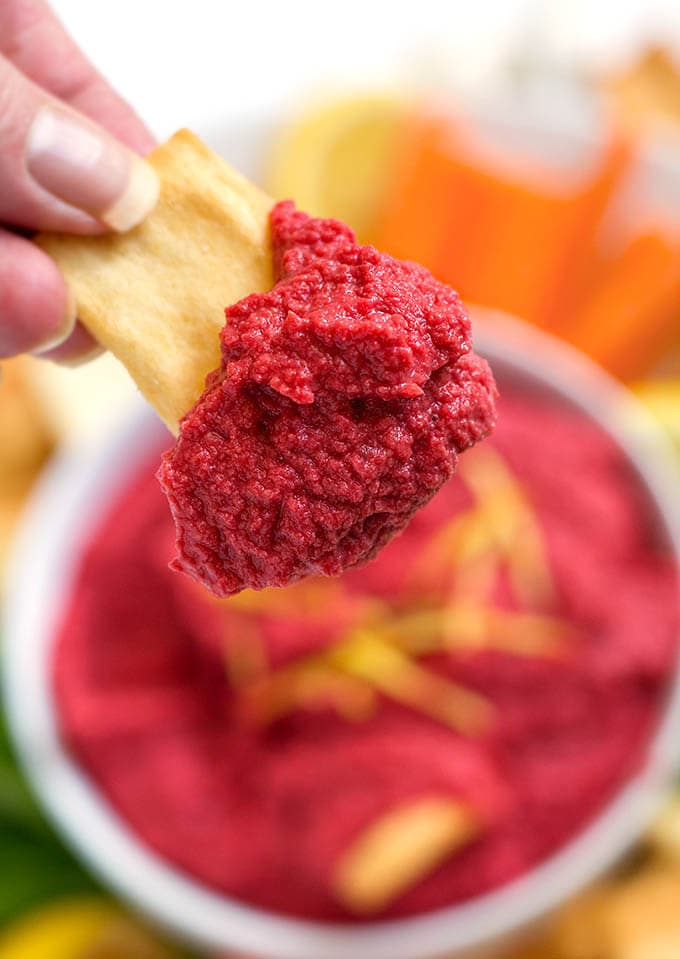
528 153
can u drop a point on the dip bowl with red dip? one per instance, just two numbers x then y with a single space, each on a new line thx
418 758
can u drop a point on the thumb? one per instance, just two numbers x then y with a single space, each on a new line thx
62 172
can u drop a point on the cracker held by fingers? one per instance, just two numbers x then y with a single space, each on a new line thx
331 405
155 297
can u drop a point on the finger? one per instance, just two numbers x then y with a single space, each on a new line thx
80 347
36 311
60 171
34 40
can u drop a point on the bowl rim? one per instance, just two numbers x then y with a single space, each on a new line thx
69 500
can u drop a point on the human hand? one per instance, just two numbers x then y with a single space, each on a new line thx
59 171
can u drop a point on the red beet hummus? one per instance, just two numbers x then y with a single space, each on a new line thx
249 741
344 397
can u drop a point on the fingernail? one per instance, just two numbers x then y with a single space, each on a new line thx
83 165
78 359
79 348
65 329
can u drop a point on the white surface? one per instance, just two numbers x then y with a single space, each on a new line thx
69 502
84 401
190 62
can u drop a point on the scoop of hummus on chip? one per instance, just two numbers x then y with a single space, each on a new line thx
330 406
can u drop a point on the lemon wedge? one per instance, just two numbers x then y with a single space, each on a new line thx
335 160
662 399
82 928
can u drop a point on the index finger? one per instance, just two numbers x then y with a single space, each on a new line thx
36 42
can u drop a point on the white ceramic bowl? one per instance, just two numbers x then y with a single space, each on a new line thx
68 503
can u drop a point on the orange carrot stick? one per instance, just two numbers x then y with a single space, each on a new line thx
633 315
